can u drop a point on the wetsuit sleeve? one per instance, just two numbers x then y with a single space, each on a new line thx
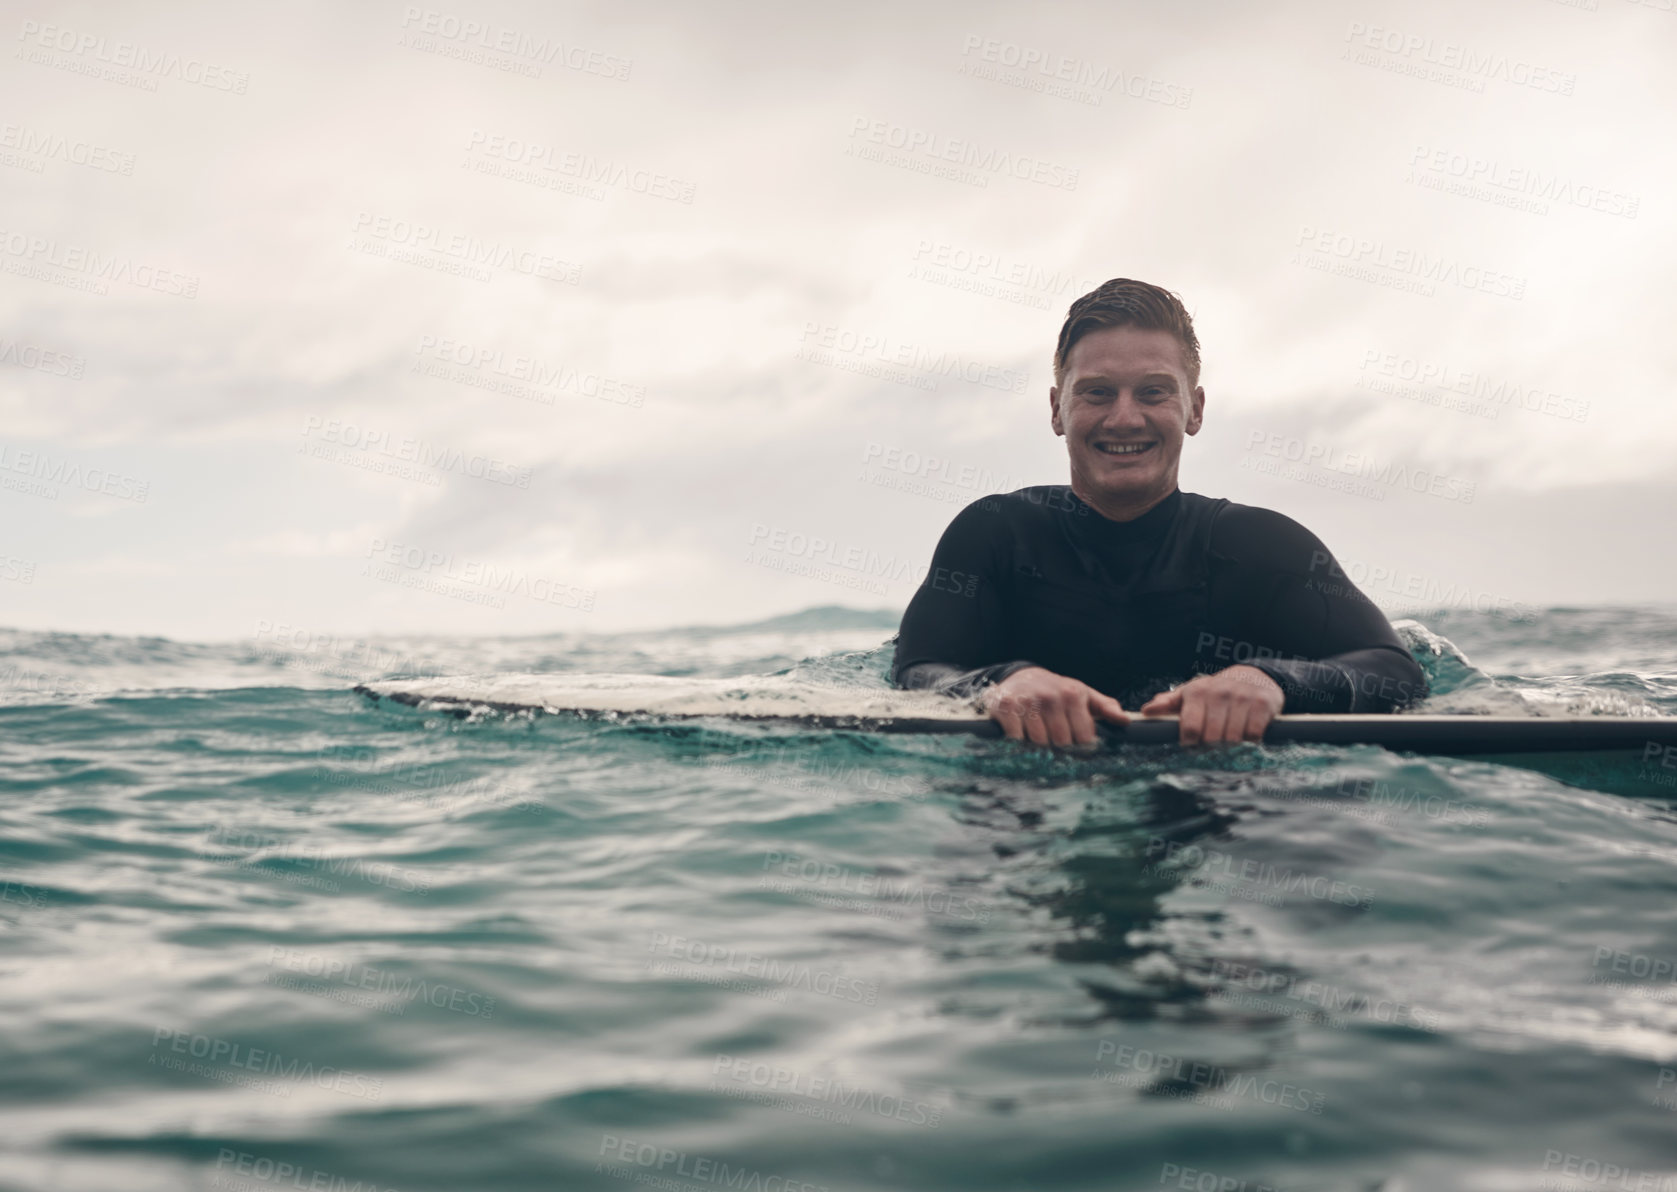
1303 622
953 637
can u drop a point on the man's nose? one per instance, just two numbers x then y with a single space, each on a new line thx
1124 412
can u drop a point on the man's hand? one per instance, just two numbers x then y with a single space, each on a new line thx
1235 704
1049 709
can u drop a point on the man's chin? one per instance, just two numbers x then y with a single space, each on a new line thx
1125 480
1127 486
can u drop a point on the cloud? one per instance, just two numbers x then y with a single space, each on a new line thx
718 293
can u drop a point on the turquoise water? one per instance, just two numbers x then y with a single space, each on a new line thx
260 933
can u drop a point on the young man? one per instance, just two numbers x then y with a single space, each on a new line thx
1060 604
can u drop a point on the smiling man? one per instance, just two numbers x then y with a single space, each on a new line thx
1060 605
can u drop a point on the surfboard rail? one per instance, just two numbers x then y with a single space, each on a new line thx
1461 735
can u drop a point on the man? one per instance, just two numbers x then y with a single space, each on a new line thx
1060 604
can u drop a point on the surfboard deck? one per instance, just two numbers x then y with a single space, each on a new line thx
777 699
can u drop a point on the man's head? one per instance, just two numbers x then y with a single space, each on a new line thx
1126 392
1122 302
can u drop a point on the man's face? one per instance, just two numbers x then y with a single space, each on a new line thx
1124 405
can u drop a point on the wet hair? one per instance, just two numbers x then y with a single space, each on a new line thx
1123 302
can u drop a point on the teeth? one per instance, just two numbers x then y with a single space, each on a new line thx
1122 448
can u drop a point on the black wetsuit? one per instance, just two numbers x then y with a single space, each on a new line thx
1038 578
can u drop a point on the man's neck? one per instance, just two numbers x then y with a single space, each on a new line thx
1120 509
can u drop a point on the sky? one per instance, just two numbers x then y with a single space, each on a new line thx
517 318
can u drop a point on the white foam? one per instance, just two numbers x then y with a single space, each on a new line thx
747 696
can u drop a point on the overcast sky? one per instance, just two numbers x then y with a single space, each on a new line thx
516 318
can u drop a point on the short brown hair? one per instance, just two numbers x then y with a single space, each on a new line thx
1123 302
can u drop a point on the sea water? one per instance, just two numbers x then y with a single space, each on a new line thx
257 932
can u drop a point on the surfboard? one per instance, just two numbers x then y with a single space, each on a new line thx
777 698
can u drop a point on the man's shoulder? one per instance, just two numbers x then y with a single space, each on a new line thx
1249 531
1034 502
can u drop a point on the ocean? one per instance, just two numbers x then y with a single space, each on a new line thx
261 933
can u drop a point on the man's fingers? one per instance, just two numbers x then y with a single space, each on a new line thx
1033 718
1216 719
1192 721
1110 708
1165 701
1048 709
1257 720
1081 722
1059 728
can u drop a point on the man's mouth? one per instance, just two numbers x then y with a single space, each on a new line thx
1123 448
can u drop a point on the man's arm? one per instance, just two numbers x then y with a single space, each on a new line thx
953 633
954 639
1303 622
954 680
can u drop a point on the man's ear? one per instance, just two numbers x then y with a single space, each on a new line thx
1196 411
1054 410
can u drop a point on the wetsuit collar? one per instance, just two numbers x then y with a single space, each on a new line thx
1149 525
